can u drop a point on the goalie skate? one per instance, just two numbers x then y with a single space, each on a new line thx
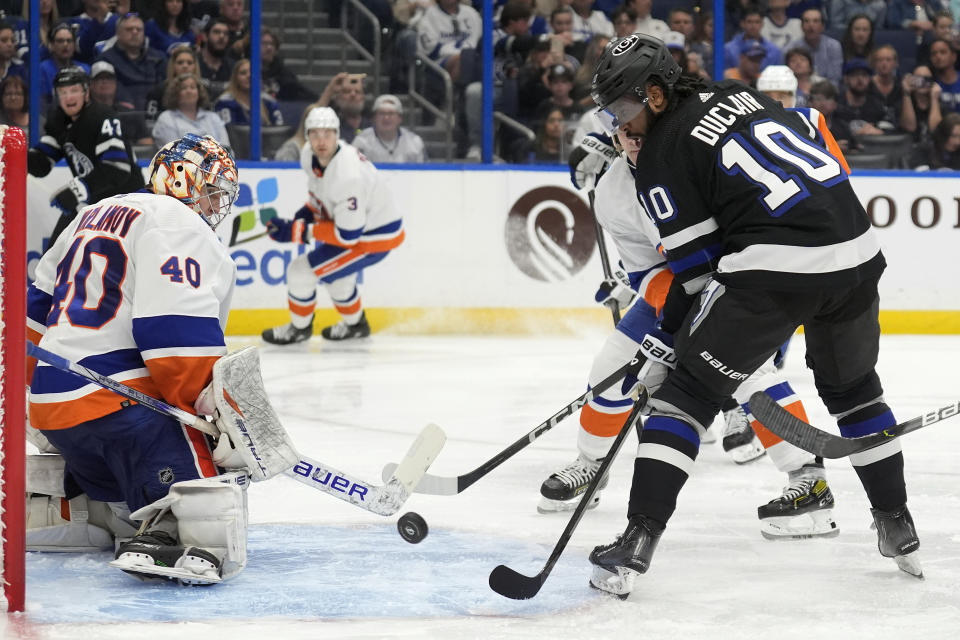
157 556
805 510
562 490
739 440
616 565
897 539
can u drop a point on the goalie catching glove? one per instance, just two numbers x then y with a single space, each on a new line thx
590 159
616 289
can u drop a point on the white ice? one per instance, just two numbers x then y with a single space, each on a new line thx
321 568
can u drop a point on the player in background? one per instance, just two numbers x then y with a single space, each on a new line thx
350 222
138 287
88 135
805 507
764 234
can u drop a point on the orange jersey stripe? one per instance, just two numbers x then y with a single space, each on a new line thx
63 415
657 288
831 142
768 438
181 379
599 424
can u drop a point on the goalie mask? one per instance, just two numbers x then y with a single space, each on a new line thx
198 172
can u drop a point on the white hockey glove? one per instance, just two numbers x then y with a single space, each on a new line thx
590 159
616 289
657 348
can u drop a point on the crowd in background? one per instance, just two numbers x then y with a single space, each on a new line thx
876 69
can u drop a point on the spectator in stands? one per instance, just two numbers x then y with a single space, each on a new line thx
801 63
842 12
943 63
778 28
215 64
231 12
104 90
186 103
63 46
344 93
532 78
942 151
943 29
183 59
10 65
587 22
887 84
676 45
49 18
97 25
138 66
921 105
826 52
14 105
645 23
583 78
750 26
549 147
857 40
750 63
702 42
277 80
170 26
233 105
445 30
823 98
560 85
862 109
915 15
561 31
289 151
624 21
386 141
681 20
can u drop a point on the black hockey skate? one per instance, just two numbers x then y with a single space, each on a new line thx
616 565
344 331
897 539
287 334
157 556
805 510
739 440
562 490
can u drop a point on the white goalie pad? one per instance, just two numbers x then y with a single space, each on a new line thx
248 418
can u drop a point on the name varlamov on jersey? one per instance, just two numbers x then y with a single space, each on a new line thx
715 122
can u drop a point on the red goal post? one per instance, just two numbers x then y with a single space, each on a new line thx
13 288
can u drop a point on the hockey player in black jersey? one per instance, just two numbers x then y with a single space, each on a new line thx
764 234
88 135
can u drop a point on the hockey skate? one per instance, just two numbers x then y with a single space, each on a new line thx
562 490
897 539
287 334
157 556
739 440
344 331
805 510
616 565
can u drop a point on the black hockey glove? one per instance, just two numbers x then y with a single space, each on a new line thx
71 198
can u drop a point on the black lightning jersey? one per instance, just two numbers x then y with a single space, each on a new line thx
745 190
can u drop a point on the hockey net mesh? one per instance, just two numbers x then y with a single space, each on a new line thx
13 280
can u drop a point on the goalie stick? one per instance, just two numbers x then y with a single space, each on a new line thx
827 445
512 584
383 500
451 486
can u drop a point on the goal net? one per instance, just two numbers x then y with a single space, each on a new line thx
13 285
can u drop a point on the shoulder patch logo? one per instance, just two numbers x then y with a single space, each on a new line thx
705 96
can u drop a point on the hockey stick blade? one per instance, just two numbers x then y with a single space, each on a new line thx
383 500
512 584
827 445
451 486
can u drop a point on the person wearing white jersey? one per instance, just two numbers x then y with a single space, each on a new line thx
805 507
351 223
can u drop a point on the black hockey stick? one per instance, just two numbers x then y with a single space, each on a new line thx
451 486
827 445
514 585
604 256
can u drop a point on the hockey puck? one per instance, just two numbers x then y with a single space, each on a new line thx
412 527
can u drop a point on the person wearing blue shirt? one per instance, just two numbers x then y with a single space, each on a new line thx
63 46
751 25
170 26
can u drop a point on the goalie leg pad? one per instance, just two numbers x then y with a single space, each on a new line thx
248 418
54 523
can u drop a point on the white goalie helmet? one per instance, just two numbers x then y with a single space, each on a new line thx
777 77
322 118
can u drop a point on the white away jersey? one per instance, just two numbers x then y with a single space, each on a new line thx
138 288
351 202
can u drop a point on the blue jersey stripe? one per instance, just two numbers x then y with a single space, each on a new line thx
164 332
53 380
38 305
703 256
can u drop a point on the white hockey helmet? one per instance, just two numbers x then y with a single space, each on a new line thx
777 77
322 118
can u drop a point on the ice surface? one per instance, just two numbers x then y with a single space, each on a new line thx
320 568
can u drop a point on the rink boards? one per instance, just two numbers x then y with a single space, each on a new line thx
491 250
